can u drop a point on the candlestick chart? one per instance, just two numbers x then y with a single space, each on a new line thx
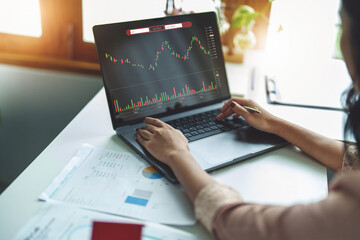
165 71
194 77
165 47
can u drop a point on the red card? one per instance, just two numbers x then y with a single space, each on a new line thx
116 231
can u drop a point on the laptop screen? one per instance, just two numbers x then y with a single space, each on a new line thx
164 65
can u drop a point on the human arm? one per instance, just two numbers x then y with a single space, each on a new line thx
328 151
335 217
224 213
175 153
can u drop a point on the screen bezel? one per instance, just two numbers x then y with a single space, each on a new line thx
121 122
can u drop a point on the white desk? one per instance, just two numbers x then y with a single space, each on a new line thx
283 176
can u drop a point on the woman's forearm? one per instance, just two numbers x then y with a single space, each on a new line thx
189 174
328 151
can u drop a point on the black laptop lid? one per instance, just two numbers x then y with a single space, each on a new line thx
161 66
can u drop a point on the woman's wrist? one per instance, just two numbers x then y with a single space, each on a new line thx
189 173
278 126
177 158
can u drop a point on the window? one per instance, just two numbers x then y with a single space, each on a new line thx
24 20
58 34
54 43
301 51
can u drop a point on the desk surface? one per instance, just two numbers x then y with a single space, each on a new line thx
284 176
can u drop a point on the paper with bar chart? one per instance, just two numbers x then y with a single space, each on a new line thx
60 222
119 183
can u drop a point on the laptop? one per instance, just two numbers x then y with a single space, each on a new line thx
172 68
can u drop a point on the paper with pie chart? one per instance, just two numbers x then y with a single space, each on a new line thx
151 173
119 183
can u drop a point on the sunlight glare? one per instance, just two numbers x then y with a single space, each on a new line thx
21 17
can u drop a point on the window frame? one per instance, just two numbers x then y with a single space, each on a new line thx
61 45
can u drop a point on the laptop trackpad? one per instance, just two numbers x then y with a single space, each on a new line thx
225 147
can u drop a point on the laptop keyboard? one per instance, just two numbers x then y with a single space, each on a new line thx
204 124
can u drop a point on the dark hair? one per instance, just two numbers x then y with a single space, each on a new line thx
352 102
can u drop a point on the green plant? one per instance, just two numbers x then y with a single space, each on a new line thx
245 15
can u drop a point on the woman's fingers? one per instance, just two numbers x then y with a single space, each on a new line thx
225 114
161 140
154 121
244 102
226 106
239 110
150 128
141 140
241 101
236 108
145 134
234 105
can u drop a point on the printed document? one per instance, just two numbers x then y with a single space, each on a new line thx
60 222
119 183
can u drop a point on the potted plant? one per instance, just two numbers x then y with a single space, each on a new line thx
244 18
241 15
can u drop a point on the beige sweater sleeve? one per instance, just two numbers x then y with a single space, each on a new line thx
212 198
224 214
351 160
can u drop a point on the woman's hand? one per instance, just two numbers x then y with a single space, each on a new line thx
170 146
161 140
263 121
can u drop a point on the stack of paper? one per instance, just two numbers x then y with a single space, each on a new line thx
118 183
60 222
122 184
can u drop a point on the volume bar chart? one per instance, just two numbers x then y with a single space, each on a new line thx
163 97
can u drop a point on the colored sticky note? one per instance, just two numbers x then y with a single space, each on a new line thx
116 231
